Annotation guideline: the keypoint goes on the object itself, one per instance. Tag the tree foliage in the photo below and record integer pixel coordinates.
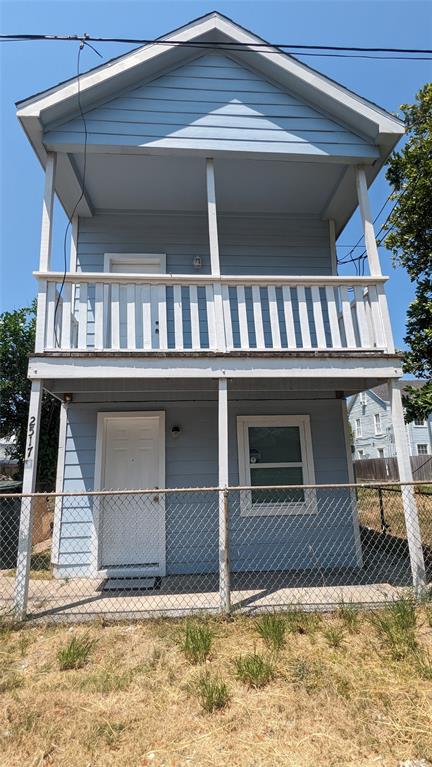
(17, 337)
(409, 238)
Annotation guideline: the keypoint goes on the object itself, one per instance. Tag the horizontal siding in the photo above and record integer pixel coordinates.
(248, 244)
(213, 103)
(191, 461)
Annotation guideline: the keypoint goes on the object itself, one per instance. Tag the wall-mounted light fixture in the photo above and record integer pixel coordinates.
(197, 262)
(175, 431)
(67, 398)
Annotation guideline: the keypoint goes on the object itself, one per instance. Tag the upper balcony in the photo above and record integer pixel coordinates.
(126, 313)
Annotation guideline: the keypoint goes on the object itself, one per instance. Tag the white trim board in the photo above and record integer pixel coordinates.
(158, 260)
(95, 566)
(170, 366)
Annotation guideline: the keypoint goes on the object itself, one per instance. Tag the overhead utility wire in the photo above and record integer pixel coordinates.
(83, 183)
(345, 51)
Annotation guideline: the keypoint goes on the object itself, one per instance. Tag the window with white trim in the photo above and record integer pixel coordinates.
(419, 422)
(363, 398)
(360, 453)
(422, 449)
(377, 422)
(275, 452)
(358, 431)
(380, 451)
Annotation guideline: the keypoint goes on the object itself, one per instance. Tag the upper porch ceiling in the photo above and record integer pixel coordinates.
(130, 182)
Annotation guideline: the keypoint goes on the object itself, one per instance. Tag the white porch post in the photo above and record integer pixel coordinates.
(224, 568)
(29, 481)
(45, 248)
(214, 254)
(372, 252)
(407, 491)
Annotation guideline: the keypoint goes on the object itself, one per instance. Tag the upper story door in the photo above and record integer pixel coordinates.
(134, 263)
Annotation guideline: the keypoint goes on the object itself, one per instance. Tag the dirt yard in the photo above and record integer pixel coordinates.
(342, 690)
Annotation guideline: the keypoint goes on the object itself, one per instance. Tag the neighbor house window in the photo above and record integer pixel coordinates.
(419, 422)
(360, 453)
(358, 431)
(363, 398)
(377, 421)
(422, 449)
(380, 451)
(276, 452)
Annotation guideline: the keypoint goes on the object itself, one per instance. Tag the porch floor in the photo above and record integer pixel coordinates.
(178, 595)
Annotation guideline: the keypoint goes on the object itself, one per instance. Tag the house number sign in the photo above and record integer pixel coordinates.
(30, 434)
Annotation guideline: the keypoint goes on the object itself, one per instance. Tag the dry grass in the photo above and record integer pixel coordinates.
(135, 703)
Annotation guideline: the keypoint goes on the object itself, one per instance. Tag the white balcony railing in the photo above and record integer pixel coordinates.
(154, 313)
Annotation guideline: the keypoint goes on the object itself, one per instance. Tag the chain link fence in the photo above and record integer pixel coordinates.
(173, 552)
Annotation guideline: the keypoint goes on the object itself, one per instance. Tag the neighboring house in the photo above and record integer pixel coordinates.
(372, 429)
(201, 335)
(8, 466)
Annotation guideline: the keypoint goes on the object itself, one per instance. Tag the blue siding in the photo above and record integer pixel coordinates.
(249, 244)
(191, 461)
(213, 103)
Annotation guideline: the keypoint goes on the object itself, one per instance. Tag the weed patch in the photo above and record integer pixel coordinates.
(271, 629)
(254, 670)
(75, 654)
(197, 642)
(395, 627)
(213, 693)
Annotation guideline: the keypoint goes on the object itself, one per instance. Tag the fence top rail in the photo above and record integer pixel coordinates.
(230, 488)
(207, 279)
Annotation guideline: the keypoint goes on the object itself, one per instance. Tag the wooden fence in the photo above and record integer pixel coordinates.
(386, 469)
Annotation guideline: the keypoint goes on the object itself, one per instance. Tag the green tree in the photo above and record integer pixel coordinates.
(17, 337)
(409, 237)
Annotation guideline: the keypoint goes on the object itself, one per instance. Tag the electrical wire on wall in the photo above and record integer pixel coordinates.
(83, 42)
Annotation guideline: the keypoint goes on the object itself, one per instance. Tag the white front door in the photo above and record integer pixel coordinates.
(132, 527)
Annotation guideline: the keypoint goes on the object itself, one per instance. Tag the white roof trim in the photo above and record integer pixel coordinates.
(285, 65)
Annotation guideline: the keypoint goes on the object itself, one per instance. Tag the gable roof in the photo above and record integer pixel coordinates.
(145, 63)
(380, 392)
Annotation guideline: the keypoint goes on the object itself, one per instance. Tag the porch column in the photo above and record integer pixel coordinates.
(372, 253)
(214, 255)
(45, 248)
(407, 491)
(29, 482)
(224, 568)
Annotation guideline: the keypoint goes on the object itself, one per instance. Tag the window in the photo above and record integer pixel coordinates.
(377, 422)
(419, 422)
(363, 398)
(276, 451)
(360, 453)
(380, 451)
(422, 449)
(358, 431)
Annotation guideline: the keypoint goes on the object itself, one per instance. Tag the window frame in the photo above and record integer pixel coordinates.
(309, 504)
(358, 427)
(378, 429)
(381, 452)
(419, 424)
(363, 398)
(422, 444)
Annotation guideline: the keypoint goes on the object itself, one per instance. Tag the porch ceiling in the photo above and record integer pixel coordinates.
(147, 182)
(112, 391)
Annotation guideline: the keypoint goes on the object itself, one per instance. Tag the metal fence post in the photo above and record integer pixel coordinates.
(224, 563)
(407, 490)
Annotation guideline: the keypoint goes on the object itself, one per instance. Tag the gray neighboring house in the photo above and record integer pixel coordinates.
(371, 425)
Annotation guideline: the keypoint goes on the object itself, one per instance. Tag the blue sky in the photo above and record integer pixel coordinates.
(30, 67)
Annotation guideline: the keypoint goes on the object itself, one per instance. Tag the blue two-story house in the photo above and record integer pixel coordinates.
(201, 335)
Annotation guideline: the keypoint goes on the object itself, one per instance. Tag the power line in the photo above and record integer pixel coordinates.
(344, 51)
